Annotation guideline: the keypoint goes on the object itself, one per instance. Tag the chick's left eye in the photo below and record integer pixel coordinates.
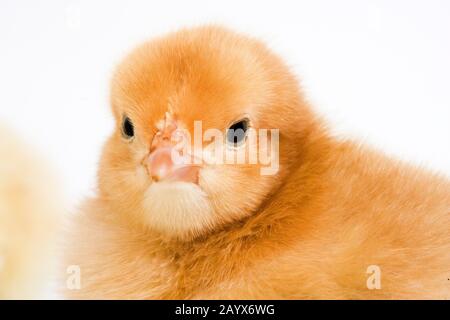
(236, 132)
(127, 128)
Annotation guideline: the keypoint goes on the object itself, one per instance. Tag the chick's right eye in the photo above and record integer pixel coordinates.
(127, 128)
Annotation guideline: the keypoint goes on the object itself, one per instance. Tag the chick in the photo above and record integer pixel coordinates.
(330, 212)
(29, 209)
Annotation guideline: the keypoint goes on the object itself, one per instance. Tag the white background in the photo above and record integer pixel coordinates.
(377, 70)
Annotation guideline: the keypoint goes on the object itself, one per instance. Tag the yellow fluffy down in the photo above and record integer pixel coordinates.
(184, 214)
(28, 218)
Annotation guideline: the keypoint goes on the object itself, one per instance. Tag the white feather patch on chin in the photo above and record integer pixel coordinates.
(177, 209)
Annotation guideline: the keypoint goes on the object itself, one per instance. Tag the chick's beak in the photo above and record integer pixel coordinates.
(162, 163)
(160, 166)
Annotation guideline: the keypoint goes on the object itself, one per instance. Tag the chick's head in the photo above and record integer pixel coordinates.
(172, 163)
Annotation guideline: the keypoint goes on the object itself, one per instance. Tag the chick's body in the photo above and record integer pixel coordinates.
(313, 229)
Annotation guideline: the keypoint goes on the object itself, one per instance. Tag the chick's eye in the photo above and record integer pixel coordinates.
(237, 131)
(127, 128)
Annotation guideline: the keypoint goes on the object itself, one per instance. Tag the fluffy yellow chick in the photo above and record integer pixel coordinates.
(331, 220)
(30, 205)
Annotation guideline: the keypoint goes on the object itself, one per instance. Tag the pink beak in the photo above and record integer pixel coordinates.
(160, 163)
(161, 167)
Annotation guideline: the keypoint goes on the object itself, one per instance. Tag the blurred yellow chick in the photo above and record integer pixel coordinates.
(29, 208)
